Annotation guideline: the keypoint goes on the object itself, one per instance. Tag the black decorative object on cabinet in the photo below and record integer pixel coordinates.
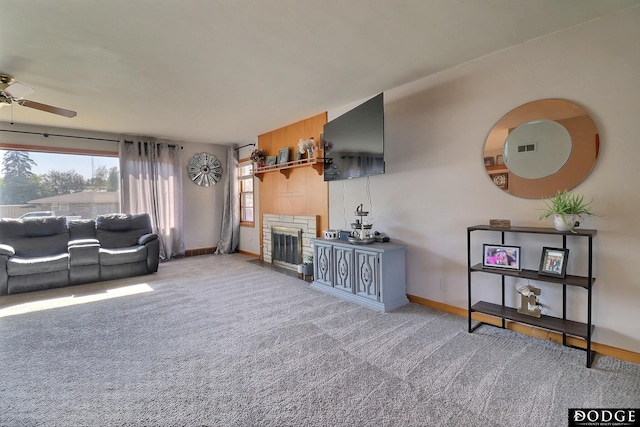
(561, 325)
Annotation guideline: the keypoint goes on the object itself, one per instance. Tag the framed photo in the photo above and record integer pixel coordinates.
(297, 156)
(283, 155)
(272, 160)
(553, 262)
(501, 256)
(499, 159)
(488, 161)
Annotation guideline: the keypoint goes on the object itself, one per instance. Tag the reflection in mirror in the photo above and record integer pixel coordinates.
(541, 147)
(537, 149)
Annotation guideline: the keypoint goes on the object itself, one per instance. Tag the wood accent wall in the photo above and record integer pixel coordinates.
(305, 192)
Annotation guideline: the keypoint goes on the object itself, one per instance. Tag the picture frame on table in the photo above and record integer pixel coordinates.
(501, 256)
(283, 155)
(272, 160)
(553, 262)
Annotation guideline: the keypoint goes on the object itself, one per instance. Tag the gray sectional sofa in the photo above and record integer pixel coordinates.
(48, 252)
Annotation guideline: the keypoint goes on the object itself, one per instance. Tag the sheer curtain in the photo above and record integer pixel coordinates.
(151, 182)
(230, 231)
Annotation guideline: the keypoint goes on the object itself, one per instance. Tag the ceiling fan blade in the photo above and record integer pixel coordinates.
(47, 108)
(18, 90)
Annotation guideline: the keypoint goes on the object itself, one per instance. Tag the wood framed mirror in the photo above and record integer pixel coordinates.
(540, 148)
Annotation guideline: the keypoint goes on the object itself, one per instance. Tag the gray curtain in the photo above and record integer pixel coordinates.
(230, 231)
(151, 182)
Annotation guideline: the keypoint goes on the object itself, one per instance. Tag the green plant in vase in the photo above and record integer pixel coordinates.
(308, 265)
(566, 208)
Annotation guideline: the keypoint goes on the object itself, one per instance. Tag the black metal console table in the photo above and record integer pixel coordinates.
(561, 325)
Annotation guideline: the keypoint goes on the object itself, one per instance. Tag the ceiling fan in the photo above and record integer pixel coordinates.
(12, 91)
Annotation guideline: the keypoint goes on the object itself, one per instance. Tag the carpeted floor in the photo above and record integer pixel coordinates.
(219, 341)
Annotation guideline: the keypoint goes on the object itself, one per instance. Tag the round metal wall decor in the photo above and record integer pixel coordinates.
(204, 169)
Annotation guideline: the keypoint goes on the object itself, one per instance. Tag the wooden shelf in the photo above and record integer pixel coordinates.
(569, 327)
(535, 230)
(285, 168)
(581, 281)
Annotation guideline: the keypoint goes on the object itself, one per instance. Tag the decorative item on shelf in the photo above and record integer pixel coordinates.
(272, 160)
(501, 256)
(283, 155)
(488, 161)
(529, 304)
(500, 223)
(567, 209)
(361, 233)
(307, 146)
(553, 262)
(258, 158)
(331, 234)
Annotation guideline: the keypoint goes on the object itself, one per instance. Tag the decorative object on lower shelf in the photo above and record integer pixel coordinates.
(566, 208)
(529, 301)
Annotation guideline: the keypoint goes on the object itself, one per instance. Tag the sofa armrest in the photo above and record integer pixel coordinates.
(7, 250)
(146, 238)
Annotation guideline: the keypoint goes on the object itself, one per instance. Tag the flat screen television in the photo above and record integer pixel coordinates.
(354, 142)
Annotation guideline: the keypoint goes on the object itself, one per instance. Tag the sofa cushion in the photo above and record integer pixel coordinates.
(35, 237)
(121, 230)
(116, 256)
(19, 266)
(82, 229)
(45, 226)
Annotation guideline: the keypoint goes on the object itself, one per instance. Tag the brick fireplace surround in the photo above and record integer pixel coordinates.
(307, 223)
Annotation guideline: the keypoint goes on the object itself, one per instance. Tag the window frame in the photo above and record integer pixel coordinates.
(243, 163)
(62, 150)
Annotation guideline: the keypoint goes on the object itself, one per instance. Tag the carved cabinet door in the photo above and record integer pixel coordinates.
(367, 276)
(323, 264)
(343, 278)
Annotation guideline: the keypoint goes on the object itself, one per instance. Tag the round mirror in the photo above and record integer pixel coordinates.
(540, 148)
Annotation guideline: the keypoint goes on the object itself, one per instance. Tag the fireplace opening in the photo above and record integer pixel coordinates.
(286, 247)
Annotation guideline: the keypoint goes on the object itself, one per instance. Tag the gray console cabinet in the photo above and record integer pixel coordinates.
(370, 275)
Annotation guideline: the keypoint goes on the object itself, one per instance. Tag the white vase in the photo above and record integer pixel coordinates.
(562, 225)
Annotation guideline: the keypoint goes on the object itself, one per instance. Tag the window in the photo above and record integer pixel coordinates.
(82, 184)
(245, 179)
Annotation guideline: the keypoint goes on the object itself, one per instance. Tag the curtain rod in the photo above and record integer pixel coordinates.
(46, 135)
(253, 144)
(144, 142)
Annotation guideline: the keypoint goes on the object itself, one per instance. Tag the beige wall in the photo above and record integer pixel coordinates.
(435, 184)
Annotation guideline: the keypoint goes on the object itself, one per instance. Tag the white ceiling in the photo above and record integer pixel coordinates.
(225, 71)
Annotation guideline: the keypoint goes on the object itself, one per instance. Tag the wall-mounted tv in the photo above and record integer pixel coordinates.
(354, 142)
